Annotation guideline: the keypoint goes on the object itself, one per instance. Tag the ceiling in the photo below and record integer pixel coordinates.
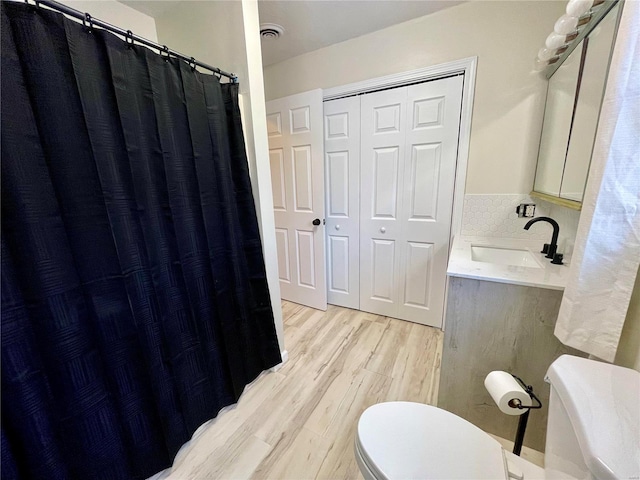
(313, 24)
(310, 25)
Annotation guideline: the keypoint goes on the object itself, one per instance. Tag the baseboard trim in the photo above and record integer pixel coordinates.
(285, 356)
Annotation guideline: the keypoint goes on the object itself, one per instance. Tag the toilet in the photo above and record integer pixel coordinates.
(593, 432)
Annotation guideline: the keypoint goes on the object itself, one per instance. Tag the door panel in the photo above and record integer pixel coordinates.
(408, 160)
(276, 160)
(338, 188)
(338, 253)
(300, 119)
(302, 178)
(274, 124)
(382, 168)
(382, 278)
(342, 173)
(304, 252)
(387, 118)
(425, 171)
(282, 244)
(295, 130)
(428, 112)
(417, 274)
(385, 182)
(434, 117)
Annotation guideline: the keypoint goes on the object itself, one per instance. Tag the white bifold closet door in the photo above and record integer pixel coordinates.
(342, 197)
(294, 126)
(407, 158)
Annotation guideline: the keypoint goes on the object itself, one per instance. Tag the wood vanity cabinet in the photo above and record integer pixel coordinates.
(497, 326)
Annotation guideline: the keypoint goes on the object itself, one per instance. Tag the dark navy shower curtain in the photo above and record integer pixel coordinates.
(134, 294)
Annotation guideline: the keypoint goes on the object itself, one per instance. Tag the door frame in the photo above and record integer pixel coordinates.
(465, 66)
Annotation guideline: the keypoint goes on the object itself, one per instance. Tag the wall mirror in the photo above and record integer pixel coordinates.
(574, 97)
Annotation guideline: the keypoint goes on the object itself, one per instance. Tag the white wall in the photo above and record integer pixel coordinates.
(509, 97)
(255, 116)
(225, 34)
(210, 31)
(117, 14)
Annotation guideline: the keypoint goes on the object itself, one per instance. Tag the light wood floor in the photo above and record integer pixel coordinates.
(299, 422)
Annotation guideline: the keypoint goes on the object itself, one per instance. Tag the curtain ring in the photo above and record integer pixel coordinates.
(192, 63)
(165, 49)
(87, 20)
(129, 39)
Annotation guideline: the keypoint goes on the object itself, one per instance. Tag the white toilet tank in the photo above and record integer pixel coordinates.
(593, 429)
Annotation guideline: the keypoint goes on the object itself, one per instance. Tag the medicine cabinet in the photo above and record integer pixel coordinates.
(574, 98)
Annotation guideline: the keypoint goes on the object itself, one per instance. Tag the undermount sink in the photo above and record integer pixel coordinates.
(517, 257)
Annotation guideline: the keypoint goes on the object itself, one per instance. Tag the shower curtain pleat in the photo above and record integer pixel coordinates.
(9, 469)
(134, 296)
(251, 245)
(126, 260)
(43, 246)
(30, 425)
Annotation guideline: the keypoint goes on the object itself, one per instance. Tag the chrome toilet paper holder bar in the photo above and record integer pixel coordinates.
(524, 418)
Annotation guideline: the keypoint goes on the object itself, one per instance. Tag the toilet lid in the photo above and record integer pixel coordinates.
(405, 440)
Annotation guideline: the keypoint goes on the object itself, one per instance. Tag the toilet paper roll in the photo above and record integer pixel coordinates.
(503, 387)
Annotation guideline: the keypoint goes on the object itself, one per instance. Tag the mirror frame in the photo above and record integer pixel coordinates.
(602, 12)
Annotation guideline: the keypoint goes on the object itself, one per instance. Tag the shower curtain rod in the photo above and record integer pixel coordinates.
(130, 36)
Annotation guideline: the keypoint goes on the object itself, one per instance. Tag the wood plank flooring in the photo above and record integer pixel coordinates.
(299, 422)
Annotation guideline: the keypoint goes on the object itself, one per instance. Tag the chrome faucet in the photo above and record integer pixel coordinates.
(549, 248)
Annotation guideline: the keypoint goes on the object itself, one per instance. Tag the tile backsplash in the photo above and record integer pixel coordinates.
(495, 216)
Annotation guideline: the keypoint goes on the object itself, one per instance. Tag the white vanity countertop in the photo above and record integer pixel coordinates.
(553, 277)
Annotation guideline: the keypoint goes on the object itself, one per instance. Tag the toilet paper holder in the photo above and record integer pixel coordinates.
(522, 423)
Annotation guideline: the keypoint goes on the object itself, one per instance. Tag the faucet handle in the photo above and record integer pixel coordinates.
(557, 259)
(545, 248)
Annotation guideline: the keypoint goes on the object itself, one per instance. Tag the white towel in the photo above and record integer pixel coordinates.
(606, 257)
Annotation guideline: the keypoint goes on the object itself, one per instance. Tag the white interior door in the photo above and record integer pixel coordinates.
(408, 163)
(381, 181)
(342, 174)
(295, 128)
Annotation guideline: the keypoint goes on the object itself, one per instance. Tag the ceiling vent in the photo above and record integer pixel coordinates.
(271, 30)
